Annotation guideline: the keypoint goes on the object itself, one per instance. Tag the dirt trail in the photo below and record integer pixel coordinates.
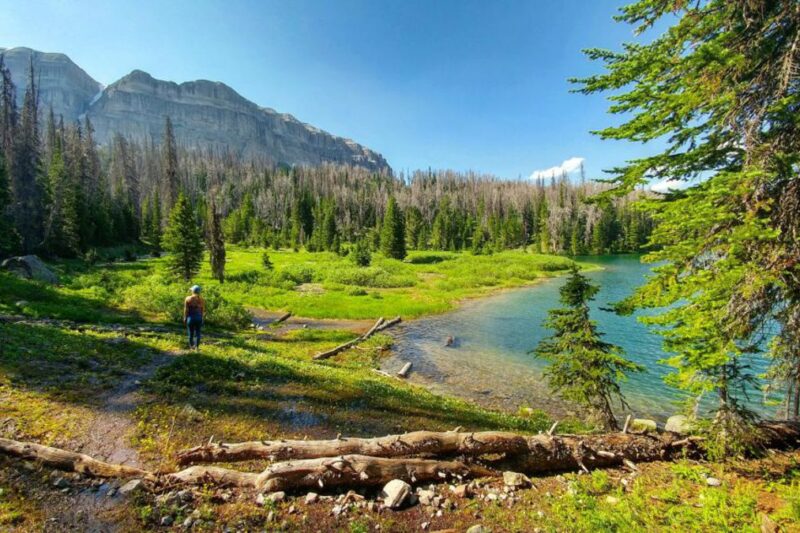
(108, 434)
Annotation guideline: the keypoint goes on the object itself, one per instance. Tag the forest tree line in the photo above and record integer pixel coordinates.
(62, 195)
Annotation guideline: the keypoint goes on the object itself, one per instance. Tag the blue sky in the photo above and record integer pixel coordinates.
(465, 85)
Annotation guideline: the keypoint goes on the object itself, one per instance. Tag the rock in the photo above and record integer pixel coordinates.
(713, 482)
(260, 500)
(477, 528)
(29, 267)
(425, 496)
(167, 521)
(643, 425)
(131, 487)
(311, 497)
(612, 500)
(679, 424)
(271, 516)
(60, 483)
(191, 413)
(187, 524)
(516, 480)
(461, 491)
(425, 525)
(491, 496)
(395, 493)
(185, 495)
(276, 497)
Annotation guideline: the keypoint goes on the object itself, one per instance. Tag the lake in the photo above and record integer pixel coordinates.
(490, 363)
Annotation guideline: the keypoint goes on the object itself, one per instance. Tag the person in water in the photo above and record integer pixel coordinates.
(194, 308)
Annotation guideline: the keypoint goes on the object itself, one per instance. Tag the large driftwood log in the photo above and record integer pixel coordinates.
(379, 325)
(415, 443)
(537, 453)
(326, 472)
(70, 461)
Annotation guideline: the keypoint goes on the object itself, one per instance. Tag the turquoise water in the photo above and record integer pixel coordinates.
(489, 361)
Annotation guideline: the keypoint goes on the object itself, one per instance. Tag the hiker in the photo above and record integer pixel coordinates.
(194, 307)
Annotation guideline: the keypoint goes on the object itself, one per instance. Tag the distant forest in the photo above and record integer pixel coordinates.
(62, 195)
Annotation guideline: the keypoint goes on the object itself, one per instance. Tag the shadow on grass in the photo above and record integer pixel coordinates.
(38, 300)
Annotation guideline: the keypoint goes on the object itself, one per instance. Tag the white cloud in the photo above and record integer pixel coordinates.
(570, 165)
(667, 185)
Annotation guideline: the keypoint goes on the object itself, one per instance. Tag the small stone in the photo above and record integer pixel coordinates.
(395, 493)
(195, 514)
(185, 495)
(112, 492)
(271, 516)
(167, 520)
(291, 509)
(425, 525)
(461, 491)
(425, 496)
(337, 510)
(516, 480)
(131, 487)
(60, 483)
(311, 497)
(491, 496)
(188, 522)
(276, 497)
(713, 482)
(612, 500)
(191, 413)
(477, 528)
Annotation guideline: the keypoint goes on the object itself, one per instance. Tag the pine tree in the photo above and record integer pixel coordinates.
(183, 239)
(216, 243)
(361, 254)
(393, 232)
(582, 368)
(61, 229)
(719, 86)
(9, 240)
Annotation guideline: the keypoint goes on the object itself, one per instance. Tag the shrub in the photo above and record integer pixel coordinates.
(297, 274)
(91, 257)
(361, 255)
(266, 262)
(250, 277)
(429, 258)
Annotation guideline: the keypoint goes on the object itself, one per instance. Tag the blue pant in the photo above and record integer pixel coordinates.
(193, 326)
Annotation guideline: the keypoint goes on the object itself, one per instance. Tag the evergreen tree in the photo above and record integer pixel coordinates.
(720, 87)
(266, 262)
(9, 240)
(582, 368)
(216, 243)
(61, 228)
(361, 254)
(393, 232)
(183, 240)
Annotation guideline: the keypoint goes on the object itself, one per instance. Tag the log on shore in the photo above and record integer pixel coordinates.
(379, 325)
(283, 318)
(70, 461)
(415, 443)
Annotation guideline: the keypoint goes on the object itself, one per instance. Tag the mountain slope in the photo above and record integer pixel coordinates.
(205, 114)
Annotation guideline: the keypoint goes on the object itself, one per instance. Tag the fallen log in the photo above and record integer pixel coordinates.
(403, 372)
(537, 453)
(379, 325)
(70, 461)
(389, 323)
(533, 454)
(284, 317)
(415, 443)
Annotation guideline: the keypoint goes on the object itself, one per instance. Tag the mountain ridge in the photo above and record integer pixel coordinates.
(205, 113)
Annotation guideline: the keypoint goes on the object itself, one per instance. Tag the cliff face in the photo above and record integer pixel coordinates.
(62, 83)
(204, 113)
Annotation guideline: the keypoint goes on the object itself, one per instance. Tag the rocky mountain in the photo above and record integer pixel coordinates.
(204, 113)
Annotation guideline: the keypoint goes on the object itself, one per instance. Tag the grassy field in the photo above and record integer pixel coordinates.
(314, 285)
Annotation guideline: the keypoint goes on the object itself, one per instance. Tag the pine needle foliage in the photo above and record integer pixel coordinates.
(183, 239)
(582, 367)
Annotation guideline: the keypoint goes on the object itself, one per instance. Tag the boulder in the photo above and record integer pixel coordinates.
(311, 497)
(29, 267)
(643, 425)
(679, 424)
(395, 493)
